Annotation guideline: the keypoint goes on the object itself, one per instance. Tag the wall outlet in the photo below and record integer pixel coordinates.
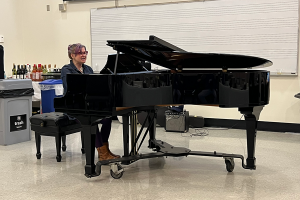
(1, 38)
(62, 7)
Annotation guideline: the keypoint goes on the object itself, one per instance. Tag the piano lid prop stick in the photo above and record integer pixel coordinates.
(116, 63)
(110, 71)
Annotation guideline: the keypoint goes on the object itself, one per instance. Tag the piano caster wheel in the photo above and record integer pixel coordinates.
(116, 170)
(38, 155)
(63, 148)
(58, 158)
(229, 164)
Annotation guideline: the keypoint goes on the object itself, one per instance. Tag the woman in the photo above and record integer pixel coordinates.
(77, 54)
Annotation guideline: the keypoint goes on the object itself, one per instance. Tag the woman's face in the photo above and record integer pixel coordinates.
(81, 56)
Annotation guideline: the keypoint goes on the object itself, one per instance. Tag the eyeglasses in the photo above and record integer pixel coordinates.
(83, 53)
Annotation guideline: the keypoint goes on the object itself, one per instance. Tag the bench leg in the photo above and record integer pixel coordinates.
(82, 142)
(64, 147)
(38, 145)
(58, 145)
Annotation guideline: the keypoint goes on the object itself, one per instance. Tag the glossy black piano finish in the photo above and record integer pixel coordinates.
(127, 86)
(225, 89)
(160, 52)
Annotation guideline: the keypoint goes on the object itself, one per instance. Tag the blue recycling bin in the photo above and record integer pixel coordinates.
(50, 89)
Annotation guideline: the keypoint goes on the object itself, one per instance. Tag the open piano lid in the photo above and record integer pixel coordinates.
(162, 53)
(126, 63)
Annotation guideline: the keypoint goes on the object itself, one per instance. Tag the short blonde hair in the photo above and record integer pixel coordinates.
(75, 49)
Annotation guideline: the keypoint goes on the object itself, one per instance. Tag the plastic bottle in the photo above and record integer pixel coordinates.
(49, 68)
(41, 77)
(33, 73)
(45, 69)
(28, 71)
(39, 72)
(44, 72)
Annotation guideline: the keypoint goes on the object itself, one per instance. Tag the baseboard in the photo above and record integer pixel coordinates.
(261, 125)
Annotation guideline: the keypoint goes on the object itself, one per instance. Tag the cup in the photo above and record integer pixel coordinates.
(279, 71)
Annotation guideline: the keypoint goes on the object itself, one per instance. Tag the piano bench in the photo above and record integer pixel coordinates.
(54, 124)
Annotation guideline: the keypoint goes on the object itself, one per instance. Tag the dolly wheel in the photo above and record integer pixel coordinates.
(229, 164)
(116, 171)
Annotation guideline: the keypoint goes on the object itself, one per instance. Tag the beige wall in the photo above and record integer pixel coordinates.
(10, 28)
(34, 35)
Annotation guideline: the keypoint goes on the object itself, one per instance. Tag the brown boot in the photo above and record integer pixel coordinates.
(103, 154)
(107, 145)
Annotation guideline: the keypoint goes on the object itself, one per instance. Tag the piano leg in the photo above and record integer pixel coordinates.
(152, 128)
(251, 125)
(133, 132)
(125, 120)
(82, 143)
(89, 133)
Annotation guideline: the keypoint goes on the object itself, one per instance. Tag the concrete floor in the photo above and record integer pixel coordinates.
(277, 175)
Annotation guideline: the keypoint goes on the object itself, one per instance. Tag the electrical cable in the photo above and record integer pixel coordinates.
(205, 131)
(198, 132)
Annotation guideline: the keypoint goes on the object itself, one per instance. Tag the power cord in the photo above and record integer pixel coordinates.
(198, 132)
(205, 131)
(237, 122)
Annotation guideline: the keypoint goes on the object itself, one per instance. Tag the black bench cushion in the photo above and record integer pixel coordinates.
(54, 122)
(53, 119)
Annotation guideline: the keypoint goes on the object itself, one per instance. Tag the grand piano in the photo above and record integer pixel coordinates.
(127, 85)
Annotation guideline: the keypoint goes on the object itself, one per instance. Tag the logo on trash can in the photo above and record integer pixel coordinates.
(18, 123)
